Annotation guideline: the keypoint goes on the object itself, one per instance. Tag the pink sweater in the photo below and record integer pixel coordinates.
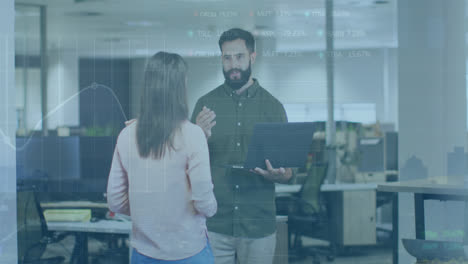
(168, 199)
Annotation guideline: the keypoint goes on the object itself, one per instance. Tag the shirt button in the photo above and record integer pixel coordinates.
(236, 208)
(240, 104)
(237, 186)
(238, 123)
(238, 144)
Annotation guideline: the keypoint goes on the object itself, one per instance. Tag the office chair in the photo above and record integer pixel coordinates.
(308, 216)
(33, 235)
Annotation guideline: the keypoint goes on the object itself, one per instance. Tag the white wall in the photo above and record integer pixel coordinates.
(299, 78)
(62, 89)
(8, 245)
(33, 96)
(302, 78)
(292, 77)
(432, 105)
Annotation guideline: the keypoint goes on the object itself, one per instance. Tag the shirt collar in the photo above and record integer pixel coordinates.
(251, 91)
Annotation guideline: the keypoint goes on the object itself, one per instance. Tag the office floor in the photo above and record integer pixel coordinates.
(368, 255)
(352, 255)
(96, 251)
(374, 257)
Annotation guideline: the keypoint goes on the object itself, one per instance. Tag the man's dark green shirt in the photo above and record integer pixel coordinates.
(246, 201)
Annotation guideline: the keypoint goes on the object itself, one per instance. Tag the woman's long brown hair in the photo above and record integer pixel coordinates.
(163, 104)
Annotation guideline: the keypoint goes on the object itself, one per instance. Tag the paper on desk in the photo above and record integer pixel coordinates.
(67, 215)
(370, 141)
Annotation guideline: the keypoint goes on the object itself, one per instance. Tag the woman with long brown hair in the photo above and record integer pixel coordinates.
(160, 174)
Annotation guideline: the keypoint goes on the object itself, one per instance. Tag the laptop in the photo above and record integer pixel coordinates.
(283, 144)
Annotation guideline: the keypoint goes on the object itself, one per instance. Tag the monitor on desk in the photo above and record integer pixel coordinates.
(371, 155)
(391, 151)
(96, 158)
(55, 158)
(68, 168)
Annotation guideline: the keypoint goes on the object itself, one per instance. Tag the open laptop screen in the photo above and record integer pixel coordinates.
(283, 144)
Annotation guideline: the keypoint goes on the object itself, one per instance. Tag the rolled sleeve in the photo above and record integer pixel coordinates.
(196, 110)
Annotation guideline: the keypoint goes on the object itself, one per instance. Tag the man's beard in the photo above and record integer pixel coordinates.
(237, 83)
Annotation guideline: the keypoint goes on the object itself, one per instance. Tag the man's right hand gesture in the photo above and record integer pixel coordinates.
(205, 120)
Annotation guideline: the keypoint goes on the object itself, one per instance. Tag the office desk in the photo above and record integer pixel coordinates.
(74, 204)
(102, 226)
(352, 210)
(348, 187)
(82, 229)
(288, 189)
(429, 189)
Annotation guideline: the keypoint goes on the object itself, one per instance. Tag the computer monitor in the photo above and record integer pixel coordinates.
(54, 158)
(96, 158)
(71, 168)
(371, 155)
(391, 151)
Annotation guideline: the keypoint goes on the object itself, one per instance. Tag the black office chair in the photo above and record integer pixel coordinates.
(308, 216)
(33, 235)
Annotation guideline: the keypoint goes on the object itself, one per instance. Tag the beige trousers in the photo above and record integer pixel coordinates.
(238, 250)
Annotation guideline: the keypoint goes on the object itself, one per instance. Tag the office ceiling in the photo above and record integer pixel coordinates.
(125, 28)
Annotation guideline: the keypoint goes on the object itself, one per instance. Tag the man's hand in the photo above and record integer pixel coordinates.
(205, 120)
(280, 175)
